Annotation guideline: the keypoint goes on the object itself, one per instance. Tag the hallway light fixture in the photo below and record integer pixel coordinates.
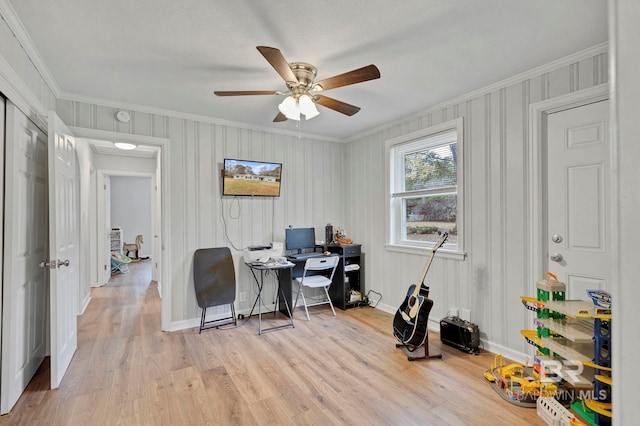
(293, 105)
(125, 145)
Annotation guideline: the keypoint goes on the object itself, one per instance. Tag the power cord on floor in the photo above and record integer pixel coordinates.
(367, 302)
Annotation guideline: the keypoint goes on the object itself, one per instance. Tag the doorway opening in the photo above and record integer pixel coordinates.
(126, 213)
(129, 216)
(148, 160)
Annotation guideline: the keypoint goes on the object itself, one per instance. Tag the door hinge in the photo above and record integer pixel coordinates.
(105, 267)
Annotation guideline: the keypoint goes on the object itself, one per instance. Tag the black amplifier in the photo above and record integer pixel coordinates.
(460, 334)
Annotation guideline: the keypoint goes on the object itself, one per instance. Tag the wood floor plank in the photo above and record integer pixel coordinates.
(342, 369)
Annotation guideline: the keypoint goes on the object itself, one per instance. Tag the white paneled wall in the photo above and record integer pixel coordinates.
(311, 195)
(495, 272)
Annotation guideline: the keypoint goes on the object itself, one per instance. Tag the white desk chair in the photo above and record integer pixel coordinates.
(316, 280)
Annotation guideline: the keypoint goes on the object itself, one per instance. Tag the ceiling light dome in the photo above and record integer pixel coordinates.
(125, 145)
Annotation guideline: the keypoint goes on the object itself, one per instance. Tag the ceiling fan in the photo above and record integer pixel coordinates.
(302, 88)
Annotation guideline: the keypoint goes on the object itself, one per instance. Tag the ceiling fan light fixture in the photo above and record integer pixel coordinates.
(300, 80)
(124, 145)
(307, 107)
(289, 107)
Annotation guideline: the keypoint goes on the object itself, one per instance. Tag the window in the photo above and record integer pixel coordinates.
(425, 187)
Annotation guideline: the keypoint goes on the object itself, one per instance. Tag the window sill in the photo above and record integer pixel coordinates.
(443, 253)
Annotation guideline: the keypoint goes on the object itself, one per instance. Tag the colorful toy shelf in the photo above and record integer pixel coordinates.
(573, 331)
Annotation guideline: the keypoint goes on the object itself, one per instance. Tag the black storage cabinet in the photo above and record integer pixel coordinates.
(344, 282)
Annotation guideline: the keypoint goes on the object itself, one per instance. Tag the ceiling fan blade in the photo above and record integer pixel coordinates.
(247, 92)
(336, 105)
(370, 72)
(279, 63)
(280, 117)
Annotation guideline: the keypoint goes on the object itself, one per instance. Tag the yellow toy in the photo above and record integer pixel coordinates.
(521, 384)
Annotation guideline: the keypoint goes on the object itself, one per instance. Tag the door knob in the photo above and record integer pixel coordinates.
(556, 238)
(48, 264)
(556, 257)
(66, 262)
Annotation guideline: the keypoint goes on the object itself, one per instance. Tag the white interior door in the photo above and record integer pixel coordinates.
(25, 289)
(577, 181)
(63, 247)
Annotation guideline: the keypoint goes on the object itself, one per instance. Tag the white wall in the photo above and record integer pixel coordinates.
(131, 209)
(495, 272)
(624, 16)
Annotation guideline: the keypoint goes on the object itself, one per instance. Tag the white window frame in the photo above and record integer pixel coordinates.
(395, 148)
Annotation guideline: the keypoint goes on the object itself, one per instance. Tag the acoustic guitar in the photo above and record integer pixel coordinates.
(410, 321)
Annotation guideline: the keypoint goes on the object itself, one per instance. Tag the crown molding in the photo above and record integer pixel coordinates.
(15, 25)
(532, 73)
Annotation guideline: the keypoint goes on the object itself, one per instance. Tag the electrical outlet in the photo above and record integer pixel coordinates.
(242, 297)
(465, 314)
(453, 312)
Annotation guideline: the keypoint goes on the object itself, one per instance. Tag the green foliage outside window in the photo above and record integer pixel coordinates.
(431, 168)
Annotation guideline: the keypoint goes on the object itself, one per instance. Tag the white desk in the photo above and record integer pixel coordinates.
(262, 268)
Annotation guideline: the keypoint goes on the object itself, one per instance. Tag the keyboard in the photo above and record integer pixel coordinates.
(304, 256)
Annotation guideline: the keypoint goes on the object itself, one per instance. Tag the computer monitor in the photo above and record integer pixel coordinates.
(300, 238)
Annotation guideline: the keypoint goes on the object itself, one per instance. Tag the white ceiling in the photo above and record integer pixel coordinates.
(172, 55)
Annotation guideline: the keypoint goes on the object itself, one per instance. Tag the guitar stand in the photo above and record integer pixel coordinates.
(421, 352)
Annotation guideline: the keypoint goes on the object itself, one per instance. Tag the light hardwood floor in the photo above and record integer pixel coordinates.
(331, 370)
